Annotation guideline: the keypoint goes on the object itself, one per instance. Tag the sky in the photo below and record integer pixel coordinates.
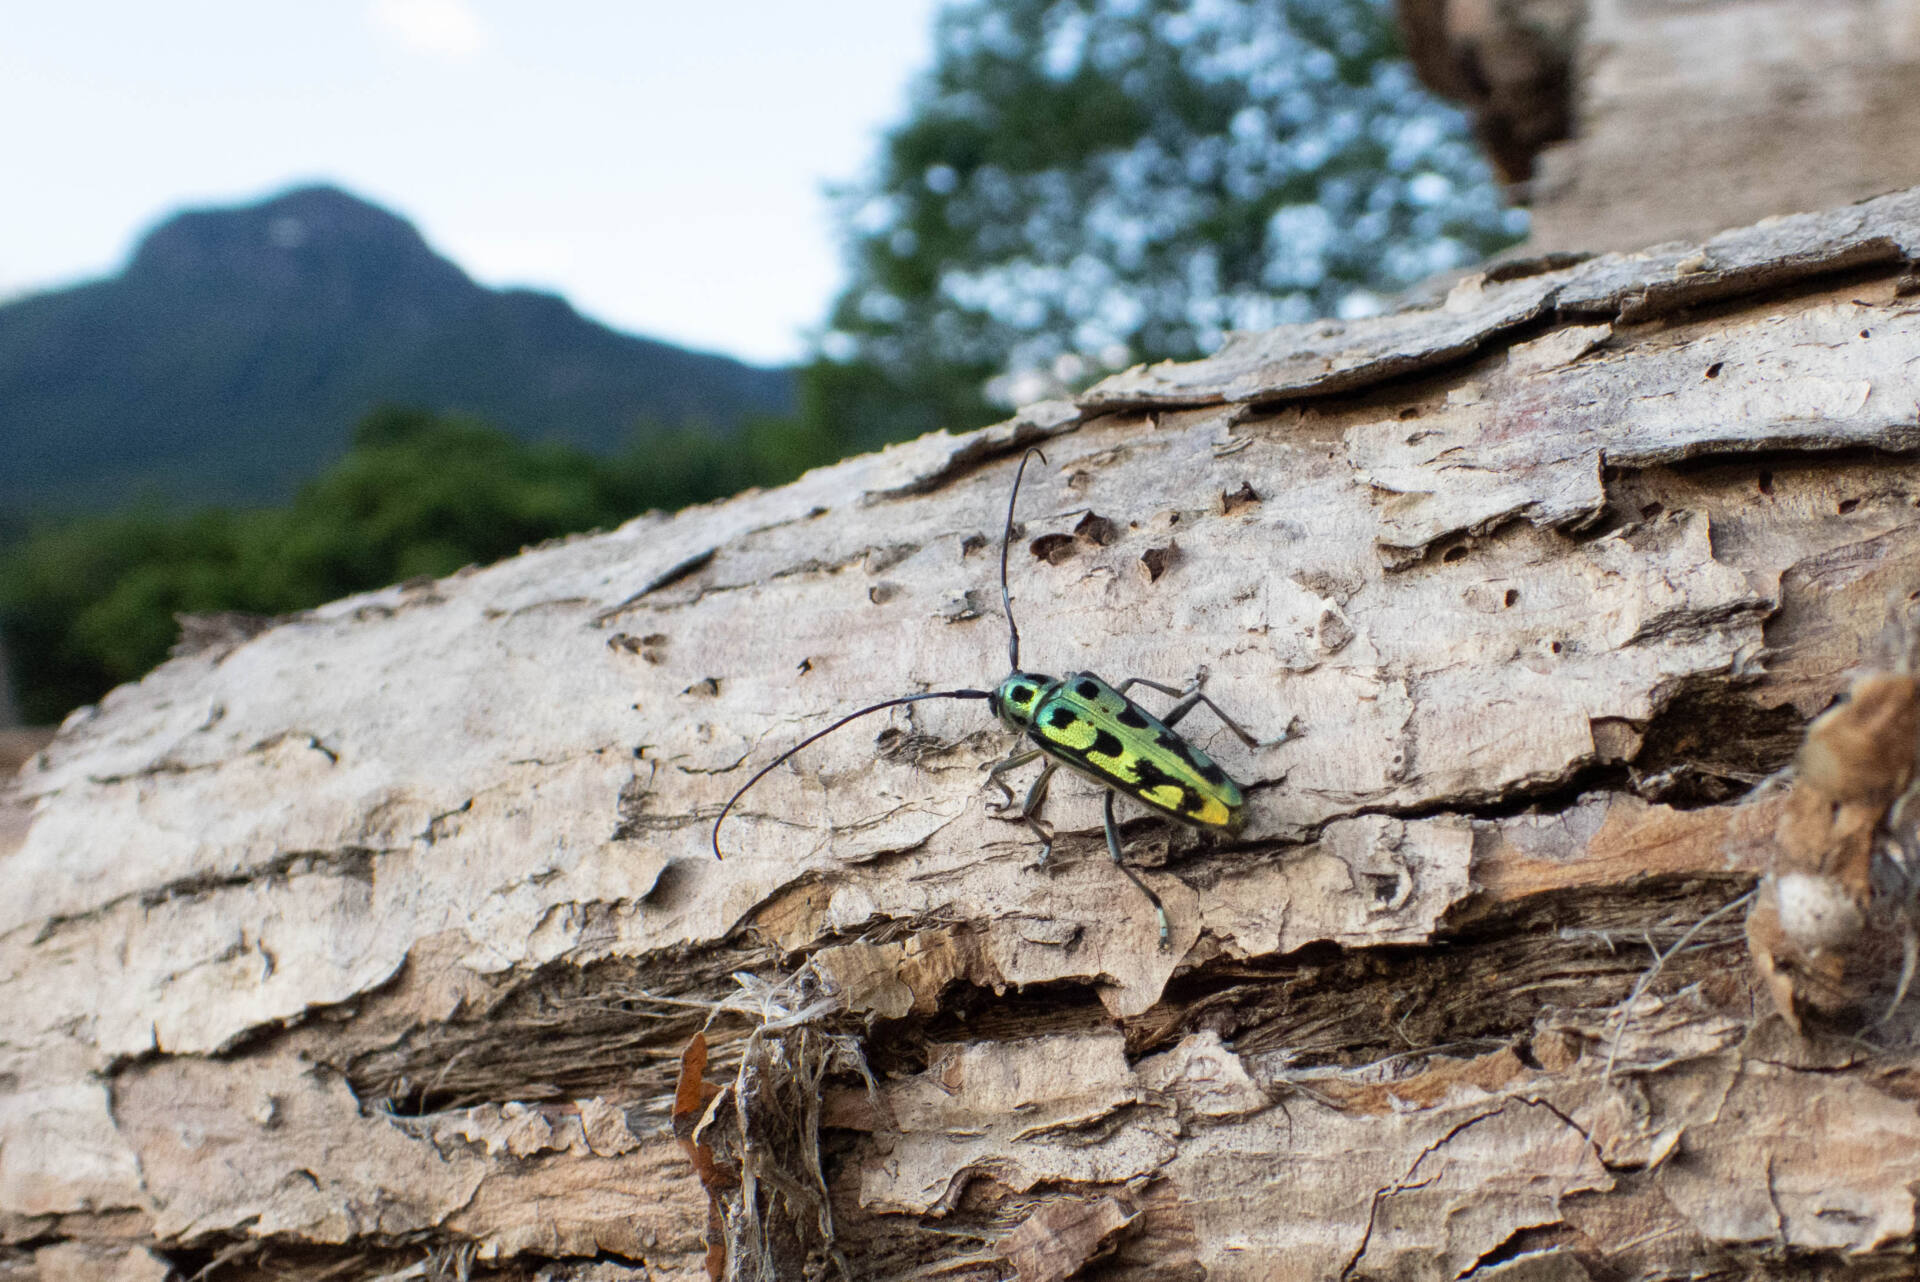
(663, 165)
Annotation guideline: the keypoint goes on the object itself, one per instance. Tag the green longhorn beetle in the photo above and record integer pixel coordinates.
(1093, 729)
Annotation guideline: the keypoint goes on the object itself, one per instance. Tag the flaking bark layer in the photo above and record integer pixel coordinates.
(372, 942)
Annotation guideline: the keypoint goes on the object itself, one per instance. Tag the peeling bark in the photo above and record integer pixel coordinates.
(371, 941)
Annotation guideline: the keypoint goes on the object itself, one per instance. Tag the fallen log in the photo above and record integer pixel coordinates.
(373, 943)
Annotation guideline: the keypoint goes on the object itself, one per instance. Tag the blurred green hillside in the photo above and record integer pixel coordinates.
(86, 604)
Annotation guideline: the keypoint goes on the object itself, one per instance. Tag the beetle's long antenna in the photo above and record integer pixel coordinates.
(821, 734)
(1006, 601)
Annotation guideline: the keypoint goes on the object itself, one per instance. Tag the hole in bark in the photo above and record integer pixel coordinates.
(1765, 482)
(1711, 744)
(1651, 510)
(1384, 888)
(1455, 553)
(1052, 548)
(1866, 333)
(1512, 596)
(966, 1008)
(1242, 497)
(1411, 411)
(1555, 647)
(1847, 505)
(672, 888)
(1096, 529)
(192, 1262)
(1713, 370)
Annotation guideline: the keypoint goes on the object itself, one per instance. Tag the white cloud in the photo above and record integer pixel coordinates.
(443, 28)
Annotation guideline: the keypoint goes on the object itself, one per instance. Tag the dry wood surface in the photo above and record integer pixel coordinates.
(373, 943)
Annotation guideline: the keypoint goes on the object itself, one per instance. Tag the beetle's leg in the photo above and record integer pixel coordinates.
(1036, 793)
(1030, 812)
(1192, 697)
(1130, 682)
(1113, 848)
(1013, 761)
(1195, 698)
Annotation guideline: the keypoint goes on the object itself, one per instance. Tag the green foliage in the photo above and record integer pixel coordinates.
(88, 603)
(91, 602)
(1083, 184)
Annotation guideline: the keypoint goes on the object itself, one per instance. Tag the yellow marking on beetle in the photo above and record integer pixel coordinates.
(1214, 813)
(1078, 734)
(1166, 796)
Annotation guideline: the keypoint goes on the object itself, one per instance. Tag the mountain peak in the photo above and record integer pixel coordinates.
(285, 238)
(232, 356)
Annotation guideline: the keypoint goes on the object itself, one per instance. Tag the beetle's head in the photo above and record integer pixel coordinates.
(1015, 698)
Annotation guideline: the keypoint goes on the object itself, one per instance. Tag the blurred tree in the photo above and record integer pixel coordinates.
(88, 603)
(420, 493)
(1082, 184)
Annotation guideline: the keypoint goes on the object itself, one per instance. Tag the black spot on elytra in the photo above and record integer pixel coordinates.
(1087, 690)
(1177, 746)
(1131, 718)
(1021, 694)
(1213, 774)
(1061, 718)
(1190, 801)
(1107, 744)
(1149, 775)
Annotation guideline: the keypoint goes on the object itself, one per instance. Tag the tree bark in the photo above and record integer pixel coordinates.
(1620, 123)
(376, 943)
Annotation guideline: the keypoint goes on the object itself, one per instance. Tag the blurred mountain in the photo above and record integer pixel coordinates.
(230, 359)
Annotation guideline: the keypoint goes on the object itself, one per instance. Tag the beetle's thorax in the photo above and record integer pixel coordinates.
(1017, 695)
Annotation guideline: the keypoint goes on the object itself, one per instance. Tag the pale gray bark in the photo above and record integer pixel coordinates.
(1622, 123)
(374, 940)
